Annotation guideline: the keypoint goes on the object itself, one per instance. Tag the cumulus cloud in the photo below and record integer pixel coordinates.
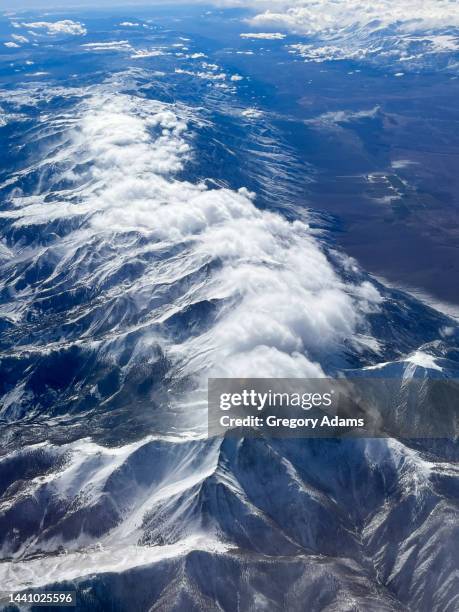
(53, 28)
(11, 45)
(352, 29)
(260, 252)
(315, 16)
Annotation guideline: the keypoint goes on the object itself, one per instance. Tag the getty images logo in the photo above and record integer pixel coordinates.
(259, 401)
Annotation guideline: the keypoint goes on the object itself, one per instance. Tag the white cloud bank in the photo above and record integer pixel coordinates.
(328, 16)
(53, 28)
(406, 30)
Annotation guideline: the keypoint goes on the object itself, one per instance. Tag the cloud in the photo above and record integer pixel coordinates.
(11, 45)
(209, 75)
(20, 39)
(53, 28)
(263, 35)
(123, 46)
(331, 16)
(336, 118)
(129, 24)
(142, 53)
(113, 45)
(441, 43)
(387, 31)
